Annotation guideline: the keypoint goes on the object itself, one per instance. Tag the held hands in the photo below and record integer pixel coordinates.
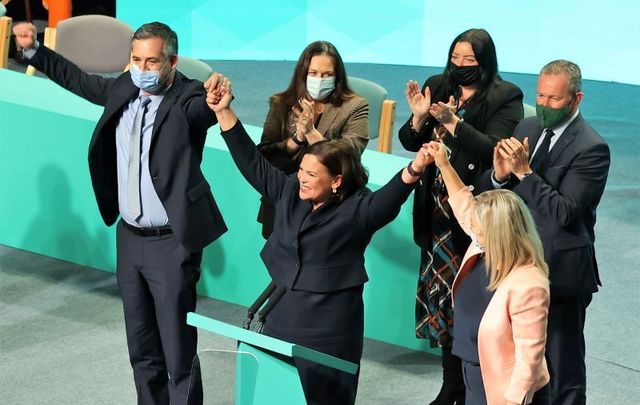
(511, 156)
(439, 153)
(219, 93)
(25, 35)
(412, 173)
(418, 102)
(422, 160)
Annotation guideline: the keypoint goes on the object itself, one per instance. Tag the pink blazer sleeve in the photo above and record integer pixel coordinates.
(462, 205)
(528, 308)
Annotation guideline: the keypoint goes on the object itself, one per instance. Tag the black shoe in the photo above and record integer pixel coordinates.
(450, 395)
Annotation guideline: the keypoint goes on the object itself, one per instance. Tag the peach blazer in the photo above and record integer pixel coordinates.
(513, 330)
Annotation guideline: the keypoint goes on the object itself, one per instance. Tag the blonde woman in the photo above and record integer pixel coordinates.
(500, 295)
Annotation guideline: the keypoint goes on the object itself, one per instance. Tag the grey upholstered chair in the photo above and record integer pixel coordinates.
(194, 68)
(96, 43)
(381, 111)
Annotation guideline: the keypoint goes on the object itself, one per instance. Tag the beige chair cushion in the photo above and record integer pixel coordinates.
(96, 43)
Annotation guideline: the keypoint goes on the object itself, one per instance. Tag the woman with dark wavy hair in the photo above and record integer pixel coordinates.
(325, 218)
(469, 108)
(318, 105)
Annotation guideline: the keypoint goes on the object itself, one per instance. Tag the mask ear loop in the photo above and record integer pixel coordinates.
(163, 82)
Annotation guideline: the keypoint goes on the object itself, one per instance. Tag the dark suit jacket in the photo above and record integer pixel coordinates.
(179, 133)
(563, 196)
(486, 121)
(321, 250)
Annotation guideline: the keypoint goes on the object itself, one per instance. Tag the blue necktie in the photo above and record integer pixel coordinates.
(133, 178)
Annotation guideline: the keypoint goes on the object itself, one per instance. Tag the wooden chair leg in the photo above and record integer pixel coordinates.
(5, 35)
(385, 134)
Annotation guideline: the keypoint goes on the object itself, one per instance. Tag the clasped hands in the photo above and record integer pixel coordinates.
(429, 153)
(510, 156)
(219, 93)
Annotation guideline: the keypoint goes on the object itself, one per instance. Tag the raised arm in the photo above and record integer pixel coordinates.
(382, 206)
(460, 197)
(263, 177)
(195, 106)
(93, 88)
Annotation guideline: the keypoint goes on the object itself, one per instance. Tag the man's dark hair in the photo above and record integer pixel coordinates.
(162, 31)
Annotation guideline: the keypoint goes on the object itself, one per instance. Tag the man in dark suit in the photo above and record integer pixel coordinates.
(558, 164)
(144, 160)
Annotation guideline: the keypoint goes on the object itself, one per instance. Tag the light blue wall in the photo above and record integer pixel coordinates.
(600, 36)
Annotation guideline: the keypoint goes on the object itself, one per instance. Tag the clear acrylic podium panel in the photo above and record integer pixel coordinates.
(215, 377)
(265, 373)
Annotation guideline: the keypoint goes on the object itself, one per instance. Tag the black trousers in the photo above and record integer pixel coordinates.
(157, 280)
(331, 323)
(565, 349)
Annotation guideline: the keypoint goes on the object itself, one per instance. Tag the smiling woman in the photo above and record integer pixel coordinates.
(324, 220)
(330, 170)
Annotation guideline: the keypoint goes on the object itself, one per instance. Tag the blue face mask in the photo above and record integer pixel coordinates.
(149, 80)
(320, 88)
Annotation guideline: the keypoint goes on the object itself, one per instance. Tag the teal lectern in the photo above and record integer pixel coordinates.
(274, 380)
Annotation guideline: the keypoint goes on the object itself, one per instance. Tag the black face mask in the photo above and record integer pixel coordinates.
(464, 75)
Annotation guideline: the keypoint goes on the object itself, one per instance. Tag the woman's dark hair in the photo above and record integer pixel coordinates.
(298, 86)
(340, 157)
(485, 52)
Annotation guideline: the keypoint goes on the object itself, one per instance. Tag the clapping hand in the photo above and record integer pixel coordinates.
(418, 102)
(305, 118)
(511, 156)
(444, 113)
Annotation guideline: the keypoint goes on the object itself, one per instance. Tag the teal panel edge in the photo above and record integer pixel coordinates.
(47, 167)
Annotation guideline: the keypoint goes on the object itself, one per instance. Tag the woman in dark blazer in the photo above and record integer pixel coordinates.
(317, 105)
(324, 220)
(469, 108)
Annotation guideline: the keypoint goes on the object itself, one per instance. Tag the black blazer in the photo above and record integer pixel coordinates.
(563, 196)
(321, 250)
(179, 133)
(486, 120)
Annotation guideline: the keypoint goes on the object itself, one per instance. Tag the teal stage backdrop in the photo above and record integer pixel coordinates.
(48, 207)
(528, 34)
